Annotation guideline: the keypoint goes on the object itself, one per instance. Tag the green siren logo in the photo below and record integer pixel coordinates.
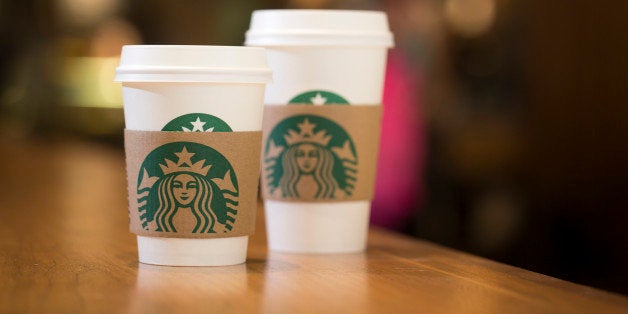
(183, 182)
(197, 122)
(319, 98)
(306, 151)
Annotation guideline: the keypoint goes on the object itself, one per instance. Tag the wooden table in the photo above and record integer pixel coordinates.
(65, 248)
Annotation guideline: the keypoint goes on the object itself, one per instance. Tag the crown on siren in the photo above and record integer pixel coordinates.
(306, 134)
(184, 164)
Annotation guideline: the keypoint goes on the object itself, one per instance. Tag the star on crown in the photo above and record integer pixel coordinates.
(318, 100)
(306, 134)
(184, 164)
(197, 126)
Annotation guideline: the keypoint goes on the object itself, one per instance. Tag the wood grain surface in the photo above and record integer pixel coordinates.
(65, 248)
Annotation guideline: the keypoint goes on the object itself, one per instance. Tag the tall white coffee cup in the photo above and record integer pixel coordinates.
(163, 83)
(321, 56)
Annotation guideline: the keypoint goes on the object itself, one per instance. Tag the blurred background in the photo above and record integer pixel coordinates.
(509, 117)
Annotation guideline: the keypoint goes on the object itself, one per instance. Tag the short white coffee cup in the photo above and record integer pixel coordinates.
(342, 54)
(163, 83)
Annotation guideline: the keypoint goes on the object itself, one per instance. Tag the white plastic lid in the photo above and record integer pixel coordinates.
(319, 28)
(219, 64)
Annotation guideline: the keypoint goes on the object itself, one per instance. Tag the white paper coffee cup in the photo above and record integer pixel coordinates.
(163, 83)
(339, 52)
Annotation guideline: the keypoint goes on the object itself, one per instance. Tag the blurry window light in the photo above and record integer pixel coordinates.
(88, 82)
(470, 18)
(309, 4)
(111, 35)
(86, 12)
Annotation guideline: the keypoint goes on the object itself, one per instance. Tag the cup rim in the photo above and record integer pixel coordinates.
(306, 27)
(193, 63)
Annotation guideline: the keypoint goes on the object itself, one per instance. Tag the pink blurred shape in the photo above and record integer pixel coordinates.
(399, 185)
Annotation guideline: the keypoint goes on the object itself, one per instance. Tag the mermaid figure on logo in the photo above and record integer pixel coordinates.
(308, 159)
(185, 191)
(306, 164)
(184, 194)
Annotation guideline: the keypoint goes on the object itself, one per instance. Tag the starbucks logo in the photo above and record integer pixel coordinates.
(197, 122)
(187, 187)
(319, 98)
(311, 157)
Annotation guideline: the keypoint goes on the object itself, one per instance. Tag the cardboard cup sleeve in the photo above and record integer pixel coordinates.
(320, 153)
(192, 184)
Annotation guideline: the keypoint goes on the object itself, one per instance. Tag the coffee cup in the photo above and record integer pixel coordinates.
(193, 119)
(332, 63)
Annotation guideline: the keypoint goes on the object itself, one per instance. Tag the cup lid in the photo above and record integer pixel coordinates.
(319, 28)
(171, 63)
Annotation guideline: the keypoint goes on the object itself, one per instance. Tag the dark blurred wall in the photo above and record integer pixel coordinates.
(528, 141)
(576, 157)
(196, 22)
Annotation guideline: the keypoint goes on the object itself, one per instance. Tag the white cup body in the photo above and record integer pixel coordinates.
(353, 71)
(149, 105)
